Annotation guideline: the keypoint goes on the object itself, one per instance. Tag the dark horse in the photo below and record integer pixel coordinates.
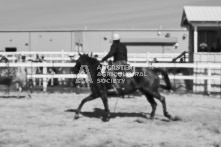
(147, 84)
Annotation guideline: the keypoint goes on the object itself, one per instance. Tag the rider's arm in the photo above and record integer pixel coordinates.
(110, 54)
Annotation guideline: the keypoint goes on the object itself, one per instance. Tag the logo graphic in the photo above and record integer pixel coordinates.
(111, 73)
(86, 70)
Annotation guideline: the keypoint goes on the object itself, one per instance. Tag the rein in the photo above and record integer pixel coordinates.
(103, 70)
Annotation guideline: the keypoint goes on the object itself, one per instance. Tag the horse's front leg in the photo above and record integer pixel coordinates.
(106, 117)
(89, 98)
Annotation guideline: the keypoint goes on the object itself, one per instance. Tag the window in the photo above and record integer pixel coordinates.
(209, 40)
(10, 49)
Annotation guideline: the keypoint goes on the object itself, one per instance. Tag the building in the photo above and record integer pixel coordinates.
(137, 41)
(204, 27)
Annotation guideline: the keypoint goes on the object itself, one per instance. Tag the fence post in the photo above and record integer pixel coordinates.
(147, 57)
(62, 56)
(44, 79)
(209, 80)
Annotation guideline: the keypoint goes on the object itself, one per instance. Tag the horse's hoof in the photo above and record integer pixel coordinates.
(106, 119)
(76, 116)
(139, 121)
(176, 118)
(151, 117)
(166, 114)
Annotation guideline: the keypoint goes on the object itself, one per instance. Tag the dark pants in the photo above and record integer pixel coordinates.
(113, 73)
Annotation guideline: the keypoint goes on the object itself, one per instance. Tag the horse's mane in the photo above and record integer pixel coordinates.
(92, 61)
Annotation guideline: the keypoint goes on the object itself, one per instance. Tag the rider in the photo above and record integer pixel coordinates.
(119, 52)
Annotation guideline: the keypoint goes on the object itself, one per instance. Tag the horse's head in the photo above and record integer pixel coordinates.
(84, 60)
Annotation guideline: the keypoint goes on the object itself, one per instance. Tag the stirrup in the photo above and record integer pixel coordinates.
(111, 90)
(114, 90)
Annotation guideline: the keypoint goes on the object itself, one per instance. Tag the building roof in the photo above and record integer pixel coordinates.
(90, 30)
(201, 14)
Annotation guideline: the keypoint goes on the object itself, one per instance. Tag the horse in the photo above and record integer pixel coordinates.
(147, 84)
(15, 75)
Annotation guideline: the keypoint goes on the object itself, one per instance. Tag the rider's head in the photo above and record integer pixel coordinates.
(116, 37)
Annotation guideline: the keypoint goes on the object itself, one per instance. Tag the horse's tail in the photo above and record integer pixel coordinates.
(165, 77)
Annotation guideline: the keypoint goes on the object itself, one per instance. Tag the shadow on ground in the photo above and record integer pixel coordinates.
(98, 113)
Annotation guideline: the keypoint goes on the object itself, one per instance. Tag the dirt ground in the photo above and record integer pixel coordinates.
(46, 120)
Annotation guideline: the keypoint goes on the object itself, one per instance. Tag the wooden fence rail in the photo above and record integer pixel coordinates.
(64, 56)
(208, 66)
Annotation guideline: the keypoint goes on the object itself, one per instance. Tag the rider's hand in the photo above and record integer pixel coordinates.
(102, 60)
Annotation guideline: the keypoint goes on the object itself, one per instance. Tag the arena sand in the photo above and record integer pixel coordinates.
(46, 120)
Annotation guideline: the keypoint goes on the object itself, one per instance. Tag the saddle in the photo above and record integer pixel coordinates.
(122, 73)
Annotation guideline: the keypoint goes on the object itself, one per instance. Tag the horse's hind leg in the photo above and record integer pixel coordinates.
(163, 101)
(165, 112)
(89, 98)
(152, 103)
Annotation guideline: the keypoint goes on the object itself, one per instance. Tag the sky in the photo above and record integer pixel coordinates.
(95, 14)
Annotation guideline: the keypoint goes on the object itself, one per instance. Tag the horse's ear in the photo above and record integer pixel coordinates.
(79, 54)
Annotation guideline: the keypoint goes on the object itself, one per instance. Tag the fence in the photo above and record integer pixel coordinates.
(208, 77)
